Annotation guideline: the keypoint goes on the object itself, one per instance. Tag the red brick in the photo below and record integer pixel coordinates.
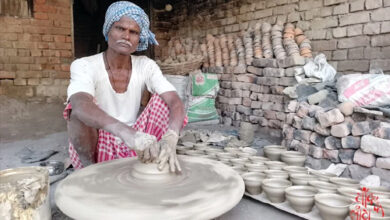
(59, 38)
(64, 24)
(28, 74)
(36, 22)
(45, 8)
(10, 52)
(5, 44)
(24, 44)
(42, 60)
(23, 67)
(9, 36)
(34, 29)
(36, 53)
(68, 39)
(7, 75)
(41, 16)
(4, 59)
(54, 60)
(11, 29)
(36, 67)
(20, 82)
(43, 45)
(10, 67)
(66, 67)
(66, 53)
(62, 46)
(23, 53)
(21, 60)
(47, 38)
(61, 75)
(33, 81)
(49, 53)
(37, 2)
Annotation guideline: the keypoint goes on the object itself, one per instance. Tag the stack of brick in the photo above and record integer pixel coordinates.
(255, 93)
(350, 135)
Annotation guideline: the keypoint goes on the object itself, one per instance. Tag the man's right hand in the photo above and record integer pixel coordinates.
(146, 147)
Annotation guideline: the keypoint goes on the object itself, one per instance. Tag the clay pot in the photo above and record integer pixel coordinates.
(249, 150)
(356, 210)
(345, 182)
(332, 206)
(301, 198)
(182, 149)
(293, 158)
(323, 187)
(298, 31)
(195, 152)
(188, 144)
(232, 150)
(256, 167)
(275, 165)
(253, 182)
(381, 192)
(225, 161)
(211, 157)
(244, 155)
(295, 169)
(238, 161)
(385, 203)
(256, 159)
(276, 174)
(213, 151)
(247, 129)
(225, 155)
(273, 152)
(302, 179)
(322, 175)
(349, 193)
(274, 189)
(289, 35)
(299, 39)
(239, 169)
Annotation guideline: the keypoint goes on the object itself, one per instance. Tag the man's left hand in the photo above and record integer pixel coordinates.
(168, 144)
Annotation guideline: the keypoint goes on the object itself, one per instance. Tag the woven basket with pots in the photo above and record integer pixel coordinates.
(182, 68)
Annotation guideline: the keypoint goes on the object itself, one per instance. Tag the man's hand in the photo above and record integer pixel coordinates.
(168, 144)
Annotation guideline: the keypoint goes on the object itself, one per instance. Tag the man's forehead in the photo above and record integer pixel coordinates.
(127, 22)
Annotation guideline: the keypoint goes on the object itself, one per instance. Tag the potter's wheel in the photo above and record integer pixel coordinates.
(127, 189)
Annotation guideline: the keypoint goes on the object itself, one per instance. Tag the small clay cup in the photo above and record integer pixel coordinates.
(301, 179)
(301, 198)
(274, 189)
(293, 158)
(276, 174)
(323, 187)
(275, 165)
(345, 182)
(253, 182)
(295, 169)
(332, 206)
(273, 152)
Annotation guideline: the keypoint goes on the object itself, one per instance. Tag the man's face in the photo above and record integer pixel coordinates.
(123, 36)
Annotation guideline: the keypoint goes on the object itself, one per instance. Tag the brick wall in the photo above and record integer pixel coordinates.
(36, 52)
(355, 34)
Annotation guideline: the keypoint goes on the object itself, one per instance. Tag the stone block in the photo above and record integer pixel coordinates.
(364, 159)
(254, 119)
(333, 2)
(290, 118)
(371, 28)
(384, 174)
(317, 97)
(314, 109)
(288, 132)
(350, 142)
(346, 155)
(287, 81)
(316, 152)
(374, 145)
(258, 112)
(380, 40)
(317, 164)
(321, 130)
(255, 70)
(382, 132)
(267, 105)
(351, 42)
(235, 101)
(324, 45)
(383, 162)
(340, 55)
(355, 18)
(303, 148)
(246, 102)
(244, 110)
(281, 116)
(332, 155)
(274, 124)
(302, 135)
(361, 128)
(330, 118)
(277, 107)
(265, 62)
(357, 5)
(303, 109)
(340, 130)
(292, 106)
(273, 72)
(226, 85)
(239, 69)
(340, 32)
(341, 9)
(297, 122)
(270, 115)
(332, 143)
(256, 104)
(383, 64)
(247, 78)
(346, 108)
(358, 172)
(381, 14)
(385, 27)
(354, 65)
(236, 93)
(317, 139)
(291, 61)
(308, 123)
(354, 30)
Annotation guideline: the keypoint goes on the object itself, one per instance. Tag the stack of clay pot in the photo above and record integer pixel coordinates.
(203, 49)
(247, 38)
(218, 52)
(240, 50)
(225, 50)
(266, 40)
(289, 41)
(210, 49)
(277, 43)
(232, 51)
(182, 50)
(258, 52)
(303, 42)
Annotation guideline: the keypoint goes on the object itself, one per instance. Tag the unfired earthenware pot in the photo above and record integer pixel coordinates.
(273, 152)
(385, 203)
(256, 167)
(345, 182)
(332, 206)
(255, 159)
(275, 165)
(274, 189)
(356, 210)
(249, 150)
(301, 198)
(323, 187)
(295, 169)
(301, 179)
(380, 191)
(239, 161)
(349, 193)
(253, 182)
(276, 174)
(322, 175)
(225, 155)
(293, 158)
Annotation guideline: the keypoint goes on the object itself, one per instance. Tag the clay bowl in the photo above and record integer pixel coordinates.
(225, 155)
(381, 192)
(324, 187)
(195, 152)
(332, 206)
(276, 174)
(301, 179)
(293, 158)
(253, 182)
(211, 157)
(274, 189)
(322, 175)
(385, 203)
(273, 152)
(249, 150)
(298, 31)
(238, 161)
(349, 193)
(356, 209)
(301, 198)
(345, 182)
(239, 169)
(244, 155)
(275, 165)
(255, 159)
(182, 149)
(188, 144)
(256, 167)
(232, 150)
(295, 169)
(225, 161)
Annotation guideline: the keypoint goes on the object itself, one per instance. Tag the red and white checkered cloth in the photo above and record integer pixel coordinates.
(153, 120)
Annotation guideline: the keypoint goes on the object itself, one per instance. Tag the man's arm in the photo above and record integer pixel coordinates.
(176, 109)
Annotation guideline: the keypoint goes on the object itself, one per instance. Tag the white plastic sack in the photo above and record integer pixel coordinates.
(182, 85)
(320, 69)
(364, 89)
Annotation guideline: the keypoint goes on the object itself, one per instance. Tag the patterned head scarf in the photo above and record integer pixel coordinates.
(133, 11)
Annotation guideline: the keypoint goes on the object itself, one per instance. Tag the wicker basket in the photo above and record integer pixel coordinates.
(182, 68)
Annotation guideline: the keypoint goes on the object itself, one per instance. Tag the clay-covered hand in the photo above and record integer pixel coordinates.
(146, 146)
(168, 144)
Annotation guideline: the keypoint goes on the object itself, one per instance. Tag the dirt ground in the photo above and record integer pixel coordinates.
(34, 127)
